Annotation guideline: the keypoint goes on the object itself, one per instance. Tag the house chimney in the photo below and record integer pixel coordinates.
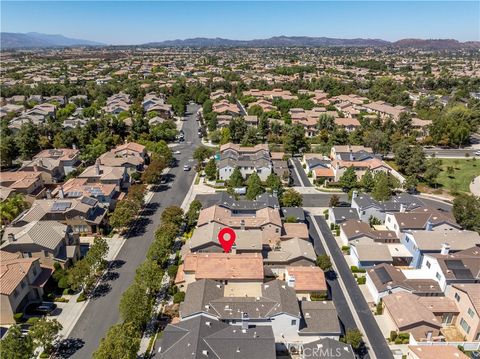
(429, 226)
(61, 194)
(11, 237)
(35, 167)
(242, 224)
(354, 194)
(275, 193)
(49, 194)
(291, 281)
(445, 249)
(402, 208)
(74, 146)
(97, 168)
(244, 321)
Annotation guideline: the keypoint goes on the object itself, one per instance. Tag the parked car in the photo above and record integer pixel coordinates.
(45, 308)
(176, 152)
(187, 168)
(477, 153)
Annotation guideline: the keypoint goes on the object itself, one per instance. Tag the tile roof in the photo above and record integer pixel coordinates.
(13, 271)
(307, 279)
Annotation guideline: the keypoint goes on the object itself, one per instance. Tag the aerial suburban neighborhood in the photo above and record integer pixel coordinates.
(286, 197)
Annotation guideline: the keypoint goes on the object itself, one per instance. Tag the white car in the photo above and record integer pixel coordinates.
(176, 152)
(477, 153)
(187, 168)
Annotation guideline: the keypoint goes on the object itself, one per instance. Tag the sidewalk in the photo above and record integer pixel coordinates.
(200, 188)
(71, 310)
(475, 186)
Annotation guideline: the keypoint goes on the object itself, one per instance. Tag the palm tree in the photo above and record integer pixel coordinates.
(12, 207)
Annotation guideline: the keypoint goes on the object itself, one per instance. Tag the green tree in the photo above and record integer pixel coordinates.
(294, 140)
(28, 141)
(324, 262)
(149, 275)
(123, 214)
(8, 150)
(97, 254)
(201, 154)
(367, 182)
(466, 210)
(191, 217)
(255, 110)
(409, 158)
(354, 338)
(153, 173)
(237, 128)
(12, 207)
(236, 179)
(159, 250)
(44, 332)
(274, 182)
(348, 180)
(251, 137)
(80, 277)
(121, 342)
(334, 201)
(254, 186)
(410, 183)
(16, 346)
(172, 214)
(381, 189)
(136, 305)
(432, 171)
(211, 169)
(291, 198)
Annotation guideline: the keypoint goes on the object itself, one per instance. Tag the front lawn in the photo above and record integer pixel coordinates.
(457, 174)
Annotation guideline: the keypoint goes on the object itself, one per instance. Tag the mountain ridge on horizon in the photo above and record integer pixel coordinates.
(11, 40)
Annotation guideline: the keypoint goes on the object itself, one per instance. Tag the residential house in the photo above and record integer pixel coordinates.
(367, 207)
(434, 352)
(132, 156)
(422, 317)
(453, 268)
(307, 281)
(27, 183)
(420, 243)
(240, 271)
(354, 230)
(420, 219)
(326, 348)
(203, 336)
(53, 164)
(339, 215)
(385, 110)
(22, 281)
(467, 298)
(248, 159)
(292, 252)
(106, 175)
(50, 241)
(83, 215)
(385, 279)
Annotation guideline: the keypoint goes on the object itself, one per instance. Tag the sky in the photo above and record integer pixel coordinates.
(137, 22)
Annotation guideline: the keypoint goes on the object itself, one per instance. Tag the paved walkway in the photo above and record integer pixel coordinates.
(475, 186)
(200, 188)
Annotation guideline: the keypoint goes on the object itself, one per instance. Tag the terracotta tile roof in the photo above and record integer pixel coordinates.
(323, 172)
(224, 266)
(307, 279)
(12, 272)
(292, 230)
(436, 352)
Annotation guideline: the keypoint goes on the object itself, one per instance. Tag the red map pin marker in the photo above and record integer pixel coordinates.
(227, 237)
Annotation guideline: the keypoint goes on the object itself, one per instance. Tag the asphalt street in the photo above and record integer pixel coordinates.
(371, 329)
(102, 312)
(451, 152)
(298, 174)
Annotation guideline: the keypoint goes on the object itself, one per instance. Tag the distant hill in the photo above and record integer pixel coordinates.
(299, 41)
(277, 41)
(437, 44)
(12, 40)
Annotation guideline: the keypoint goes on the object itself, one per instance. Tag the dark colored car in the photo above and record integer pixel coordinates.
(45, 308)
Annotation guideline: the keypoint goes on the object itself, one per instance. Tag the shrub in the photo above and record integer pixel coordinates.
(318, 297)
(337, 232)
(405, 341)
(67, 291)
(326, 216)
(179, 297)
(398, 341)
(18, 317)
(172, 271)
(82, 297)
(355, 269)
(346, 249)
(361, 280)
(332, 226)
(44, 355)
(379, 309)
(60, 299)
(404, 336)
(393, 335)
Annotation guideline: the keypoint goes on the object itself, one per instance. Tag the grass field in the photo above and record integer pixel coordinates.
(457, 174)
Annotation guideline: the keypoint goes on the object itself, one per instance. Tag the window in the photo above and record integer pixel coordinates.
(407, 239)
(457, 297)
(470, 312)
(428, 264)
(15, 293)
(34, 270)
(27, 254)
(477, 337)
(438, 276)
(22, 284)
(294, 322)
(465, 326)
(46, 254)
(389, 219)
